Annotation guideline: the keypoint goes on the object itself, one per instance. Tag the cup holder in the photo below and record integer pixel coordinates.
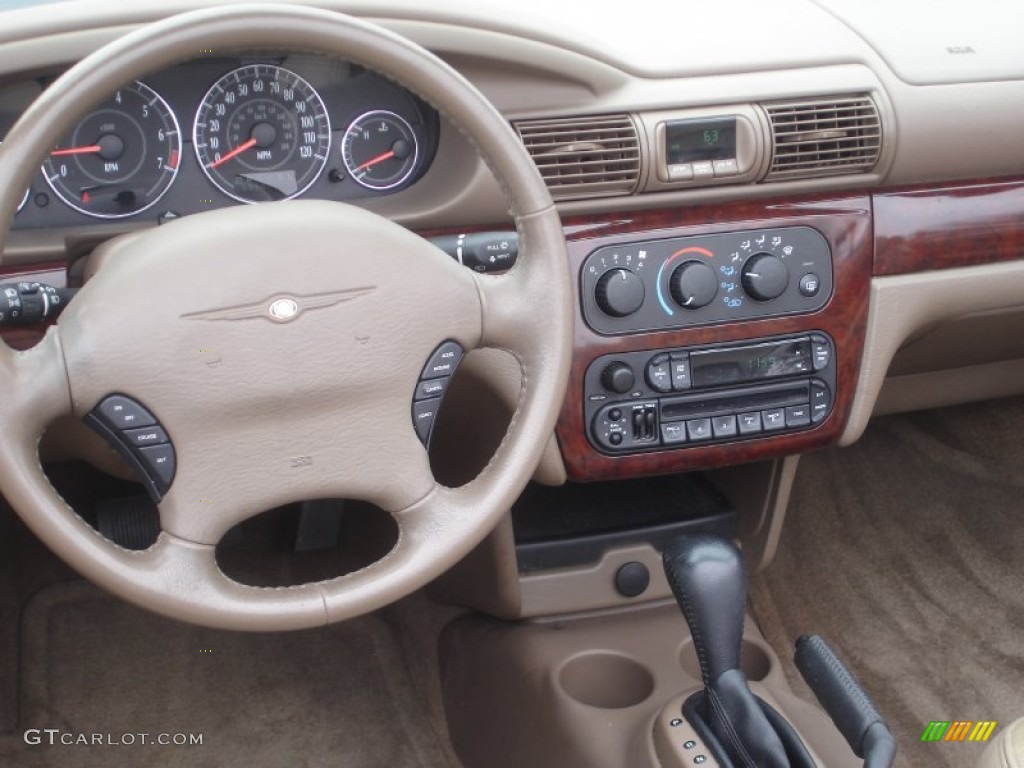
(754, 660)
(606, 680)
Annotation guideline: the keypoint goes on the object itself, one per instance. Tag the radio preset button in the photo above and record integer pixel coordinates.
(659, 373)
(749, 423)
(673, 433)
(699, 429)
(724, 426)
(773, 419)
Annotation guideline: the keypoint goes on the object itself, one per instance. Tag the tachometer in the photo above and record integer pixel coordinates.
(120, 158)
(262, 133)
(379, 150)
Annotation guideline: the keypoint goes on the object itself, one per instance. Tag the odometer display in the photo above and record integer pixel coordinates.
(262, 133)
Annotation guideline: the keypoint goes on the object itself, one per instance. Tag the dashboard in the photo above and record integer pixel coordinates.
(219, 131)
(892, 170)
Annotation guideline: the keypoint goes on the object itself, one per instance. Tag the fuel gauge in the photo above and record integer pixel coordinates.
(379, 150)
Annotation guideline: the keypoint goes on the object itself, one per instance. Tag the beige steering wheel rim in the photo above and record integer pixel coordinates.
(178, 576)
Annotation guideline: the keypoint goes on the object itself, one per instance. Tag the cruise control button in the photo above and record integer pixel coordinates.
(673, 432)
(750, 423)
(136, 438)
(122, 412)
(724, 426)
(423, 413)
(443, 361)
(798, 416)
(680, 372)
(659, 374)
(699, 429)
(773, 419)
(432, 388)
(159, 461)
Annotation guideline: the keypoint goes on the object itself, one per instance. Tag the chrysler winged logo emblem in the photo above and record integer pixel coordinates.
(282, 308)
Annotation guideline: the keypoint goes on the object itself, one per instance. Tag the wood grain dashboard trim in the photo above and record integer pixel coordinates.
(846, 224)
(959, 225)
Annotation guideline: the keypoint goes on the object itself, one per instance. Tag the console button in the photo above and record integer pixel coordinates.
(136, 438)
(750, 423)
(159, 463)
(773, 419)
(680, 372)
(821, 351)
(431, 388)
(798, 416)
(443, 361)
(724, 426)
(122, 412)
(821, 401)
(703, 169)
(673, 432)
(680, 172)
(699, 429)
(659, 374)
(727, 167)
(423, 414)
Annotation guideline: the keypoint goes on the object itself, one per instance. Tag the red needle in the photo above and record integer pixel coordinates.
(378, 159)
(233, 153)
(76, 151)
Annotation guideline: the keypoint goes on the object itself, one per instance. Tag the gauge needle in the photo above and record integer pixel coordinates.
(76, 151)
(378, 159)
(233, 153)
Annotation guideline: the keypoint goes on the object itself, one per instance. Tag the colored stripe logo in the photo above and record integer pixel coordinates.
(959, 730)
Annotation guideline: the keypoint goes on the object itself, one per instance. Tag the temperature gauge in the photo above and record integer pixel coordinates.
(379, 150)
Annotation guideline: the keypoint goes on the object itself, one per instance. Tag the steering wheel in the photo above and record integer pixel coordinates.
(313, 405)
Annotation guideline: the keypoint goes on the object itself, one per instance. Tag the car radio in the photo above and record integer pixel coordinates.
(662, 399)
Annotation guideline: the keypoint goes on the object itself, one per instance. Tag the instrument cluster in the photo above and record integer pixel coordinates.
(221, 131)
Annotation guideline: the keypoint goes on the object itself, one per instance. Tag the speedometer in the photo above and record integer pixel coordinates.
(262, 133)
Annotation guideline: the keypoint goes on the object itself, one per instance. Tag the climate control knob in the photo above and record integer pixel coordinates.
(765, 277)
(693, 285)
(618, 377)
(619, 292)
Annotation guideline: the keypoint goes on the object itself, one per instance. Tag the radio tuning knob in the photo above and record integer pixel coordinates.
(619, 292)
(618, 377)
(693, 285)
(765, 277)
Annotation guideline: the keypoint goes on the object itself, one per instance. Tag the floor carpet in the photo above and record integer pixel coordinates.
(906, 551)
(90, 664)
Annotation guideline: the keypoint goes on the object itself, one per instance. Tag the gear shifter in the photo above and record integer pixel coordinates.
(708, 578)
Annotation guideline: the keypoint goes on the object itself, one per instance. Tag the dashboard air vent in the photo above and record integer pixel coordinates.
(584, 156)
(823, 137)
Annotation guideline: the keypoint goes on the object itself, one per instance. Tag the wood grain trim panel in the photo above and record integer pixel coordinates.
(846, 224)
(950, 226)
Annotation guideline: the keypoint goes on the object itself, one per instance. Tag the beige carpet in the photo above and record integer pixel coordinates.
(906, 551)
(339, 696)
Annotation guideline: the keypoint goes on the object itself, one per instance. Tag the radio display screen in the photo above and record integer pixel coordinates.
(712, 138)
(715, 367)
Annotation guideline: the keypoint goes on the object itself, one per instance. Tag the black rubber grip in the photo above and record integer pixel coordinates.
(845, 700)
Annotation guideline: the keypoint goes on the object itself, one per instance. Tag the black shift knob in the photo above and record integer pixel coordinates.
(708, 578)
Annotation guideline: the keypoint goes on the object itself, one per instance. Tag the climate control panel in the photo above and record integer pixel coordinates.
(661, 399)
(686, 281)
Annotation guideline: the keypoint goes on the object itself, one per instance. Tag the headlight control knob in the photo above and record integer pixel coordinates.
(765, 277)
(619, 292)
(693, 285)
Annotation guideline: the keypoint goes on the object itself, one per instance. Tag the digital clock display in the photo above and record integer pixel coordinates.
(712, 138)
(716, 367)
